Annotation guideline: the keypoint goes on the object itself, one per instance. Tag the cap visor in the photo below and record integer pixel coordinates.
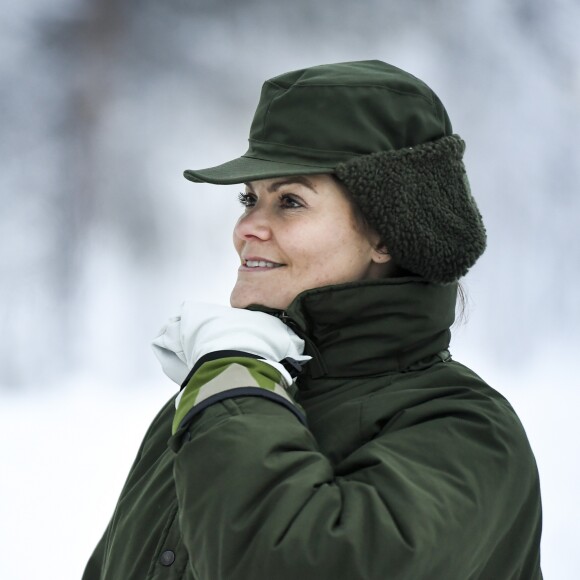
(246, 169)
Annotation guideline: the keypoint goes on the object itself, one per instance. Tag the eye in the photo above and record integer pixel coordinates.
(289, 201)
(247, 199)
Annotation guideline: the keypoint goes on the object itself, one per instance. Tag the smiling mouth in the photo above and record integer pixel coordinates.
(260, 264)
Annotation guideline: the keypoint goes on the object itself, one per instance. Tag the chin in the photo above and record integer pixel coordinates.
(241, 299)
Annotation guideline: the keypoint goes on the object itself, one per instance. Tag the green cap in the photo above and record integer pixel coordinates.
(308, 121)
(386, 135)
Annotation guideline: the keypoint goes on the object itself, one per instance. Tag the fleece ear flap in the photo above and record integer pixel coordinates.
(418, 200)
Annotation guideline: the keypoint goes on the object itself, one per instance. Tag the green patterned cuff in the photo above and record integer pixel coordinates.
(230, 377)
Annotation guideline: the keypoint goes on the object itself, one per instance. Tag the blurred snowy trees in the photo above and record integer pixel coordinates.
(103, 104)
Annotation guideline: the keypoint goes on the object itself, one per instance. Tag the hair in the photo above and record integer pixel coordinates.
(396, 271)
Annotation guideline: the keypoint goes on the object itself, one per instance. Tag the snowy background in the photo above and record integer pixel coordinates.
(103, 104)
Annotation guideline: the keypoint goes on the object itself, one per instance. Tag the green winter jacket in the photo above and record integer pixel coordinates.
(411, 466)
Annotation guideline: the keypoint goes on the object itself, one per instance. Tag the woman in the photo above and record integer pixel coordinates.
(322, 429)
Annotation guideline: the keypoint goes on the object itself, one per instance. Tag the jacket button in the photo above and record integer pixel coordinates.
(167, 558)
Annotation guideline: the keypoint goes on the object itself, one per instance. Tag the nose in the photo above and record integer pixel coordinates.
(253, 225)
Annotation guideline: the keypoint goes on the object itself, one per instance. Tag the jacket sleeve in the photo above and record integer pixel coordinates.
(434, 497)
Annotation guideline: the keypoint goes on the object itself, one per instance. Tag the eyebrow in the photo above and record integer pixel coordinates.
(289, 181)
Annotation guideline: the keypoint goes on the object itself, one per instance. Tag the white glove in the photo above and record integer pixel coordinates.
(200, 329)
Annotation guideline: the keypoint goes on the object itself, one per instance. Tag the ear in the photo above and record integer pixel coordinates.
(380, 266)
(380, 255)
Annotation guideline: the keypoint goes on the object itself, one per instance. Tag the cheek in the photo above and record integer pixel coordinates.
(340, 253)
(318, 257)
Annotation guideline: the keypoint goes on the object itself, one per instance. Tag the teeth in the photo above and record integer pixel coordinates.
(260, 264)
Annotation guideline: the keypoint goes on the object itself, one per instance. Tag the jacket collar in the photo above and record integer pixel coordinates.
(372, 327)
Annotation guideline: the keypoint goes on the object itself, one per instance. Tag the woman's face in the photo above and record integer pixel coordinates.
(298, 233)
